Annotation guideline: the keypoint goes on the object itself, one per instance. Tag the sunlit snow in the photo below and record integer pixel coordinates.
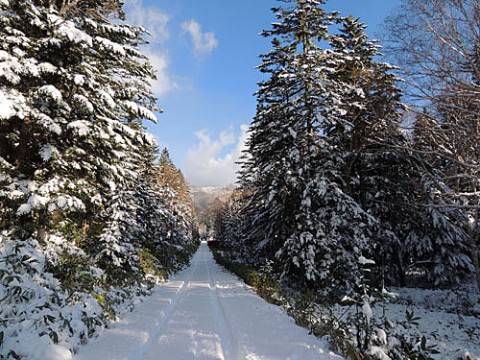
(7, 109)
(82, 127)
(205, 313)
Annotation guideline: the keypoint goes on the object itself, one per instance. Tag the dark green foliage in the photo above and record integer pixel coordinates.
(85, 222)
(329, 174)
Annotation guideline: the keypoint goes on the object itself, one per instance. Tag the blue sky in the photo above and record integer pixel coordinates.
(205, 53)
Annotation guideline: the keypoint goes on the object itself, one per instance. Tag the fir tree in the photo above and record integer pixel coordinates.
(82, 212)
(383, 173)
(183, 228)
(78, 90)
(228, 223)
(281, 133)
(298, 210)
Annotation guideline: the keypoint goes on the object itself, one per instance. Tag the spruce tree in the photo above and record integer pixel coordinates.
(75, 160)
(78, 90)
(228, 223)
(298, 211)
(181, 236)
(281, 133)
(383, 172)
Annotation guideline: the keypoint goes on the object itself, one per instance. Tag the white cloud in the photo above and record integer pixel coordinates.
(206, 166)
(203, 43)
(156, 22)
(165, 81)
(152, 19)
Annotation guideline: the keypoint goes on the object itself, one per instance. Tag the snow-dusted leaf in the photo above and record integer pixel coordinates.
(46, 152)
(81, 127)
(108, 100)
(68, 31)
(50, 91)
(84, 104)
(79, 80)
(110, 45)
(24, 209)
(140, 111)
(47, 68)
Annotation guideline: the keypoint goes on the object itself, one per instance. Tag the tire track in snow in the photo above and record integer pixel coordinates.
(229, 343)
(206, 313)
(154, 332)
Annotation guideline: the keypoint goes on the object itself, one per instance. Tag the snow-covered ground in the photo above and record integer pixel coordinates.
(449, 319)
(205, 313)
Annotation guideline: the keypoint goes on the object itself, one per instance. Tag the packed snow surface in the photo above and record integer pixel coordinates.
(205, 313)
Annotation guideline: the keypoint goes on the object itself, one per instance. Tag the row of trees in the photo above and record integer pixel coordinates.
(331, 177)
(436, 45)
(88, 213)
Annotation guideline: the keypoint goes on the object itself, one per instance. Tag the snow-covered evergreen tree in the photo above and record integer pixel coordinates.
(436, 43)
(298, 212)
(81, 208)
(384, 175)
(76, 90)
(182, 231)
(331, 173)
(439, 243)
(228, 223)
(280, 133)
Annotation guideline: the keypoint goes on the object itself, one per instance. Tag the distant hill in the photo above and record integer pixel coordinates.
(204, 197)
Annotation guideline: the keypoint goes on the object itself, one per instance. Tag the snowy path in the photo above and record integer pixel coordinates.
(205, 313)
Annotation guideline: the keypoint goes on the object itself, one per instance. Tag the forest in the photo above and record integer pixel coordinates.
(358, 177)
(91, 214)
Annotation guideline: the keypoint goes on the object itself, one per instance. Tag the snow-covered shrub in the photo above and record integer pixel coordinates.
(36, 310)
(370, 336)
(81, 213)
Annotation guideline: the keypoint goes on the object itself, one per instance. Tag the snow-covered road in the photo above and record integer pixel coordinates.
(205, 313)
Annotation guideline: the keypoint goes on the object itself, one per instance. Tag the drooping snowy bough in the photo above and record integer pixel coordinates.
(77, 173)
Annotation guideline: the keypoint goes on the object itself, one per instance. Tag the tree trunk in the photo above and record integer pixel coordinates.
(42, 229)
(476, 262)
(472, 242)
(474, 254)
(42, 235)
